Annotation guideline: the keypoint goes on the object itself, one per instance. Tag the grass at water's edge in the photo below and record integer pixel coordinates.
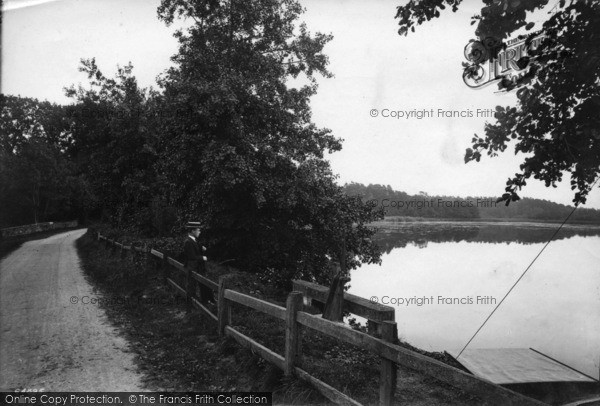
(179, 351)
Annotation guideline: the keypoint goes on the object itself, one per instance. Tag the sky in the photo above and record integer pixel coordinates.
(377, 72)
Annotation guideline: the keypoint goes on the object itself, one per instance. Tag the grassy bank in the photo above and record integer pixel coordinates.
(178, 351)
(181, 351)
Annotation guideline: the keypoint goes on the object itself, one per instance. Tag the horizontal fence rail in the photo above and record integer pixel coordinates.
(256, 304)
(157, 253)
(375, 313)
(391, 354)
(205, 281)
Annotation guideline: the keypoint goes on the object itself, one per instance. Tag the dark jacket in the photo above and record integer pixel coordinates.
(194, 261)
(192, 254)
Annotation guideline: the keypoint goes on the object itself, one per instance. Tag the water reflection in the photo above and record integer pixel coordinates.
(554, 309)
(399, 235)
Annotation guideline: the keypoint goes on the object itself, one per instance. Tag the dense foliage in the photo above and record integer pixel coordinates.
(37, 179)
(113, 145)
(556, 121)
(227, 140)
(239, 151)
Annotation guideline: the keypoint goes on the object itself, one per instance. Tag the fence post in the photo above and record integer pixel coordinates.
(387, 380)
(224, 309)
(293, 305)
(189, 288)
(150, 259)
(374, 327)
(334, 307)
(165, 267)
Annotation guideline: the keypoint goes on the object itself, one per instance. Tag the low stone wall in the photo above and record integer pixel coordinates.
(35, 228)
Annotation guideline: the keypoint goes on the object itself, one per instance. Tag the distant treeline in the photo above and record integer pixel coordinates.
(398, 203)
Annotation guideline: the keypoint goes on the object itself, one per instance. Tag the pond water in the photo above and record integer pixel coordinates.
(445, 278)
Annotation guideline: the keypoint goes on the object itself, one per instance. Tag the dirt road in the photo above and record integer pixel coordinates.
(48, 342)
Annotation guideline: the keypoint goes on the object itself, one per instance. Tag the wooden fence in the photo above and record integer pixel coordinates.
(375, 313)
(390, 354)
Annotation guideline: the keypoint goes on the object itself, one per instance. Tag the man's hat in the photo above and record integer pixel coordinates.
(193, 224)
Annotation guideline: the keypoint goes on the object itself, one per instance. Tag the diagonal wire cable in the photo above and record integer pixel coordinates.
(523, 274)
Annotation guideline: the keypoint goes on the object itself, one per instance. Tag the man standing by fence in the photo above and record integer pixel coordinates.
(193, 260)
